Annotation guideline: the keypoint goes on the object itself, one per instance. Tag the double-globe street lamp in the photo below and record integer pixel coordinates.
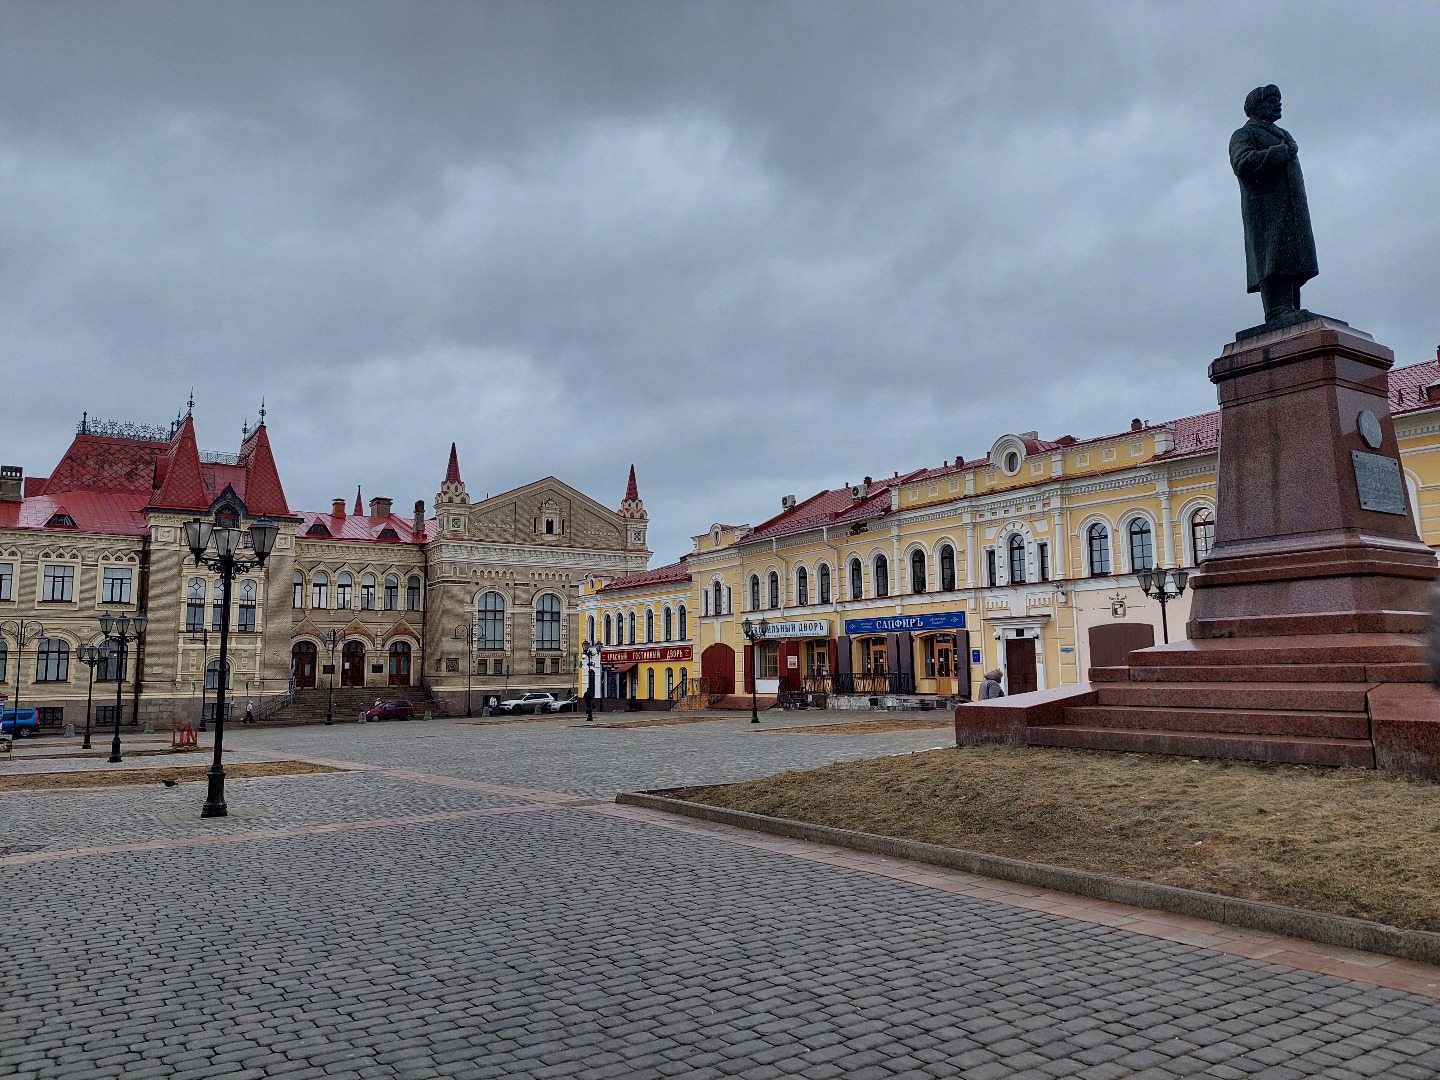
(331, 639)
(203, 640)
(753, 633)
(1154, 585)
(92, 656)
(23, 631)
(225, 532)
(591, 651)
(119, 631)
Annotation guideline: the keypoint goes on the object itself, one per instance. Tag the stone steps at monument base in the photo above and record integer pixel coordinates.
(1276, 673)
(1297, 750)
(1297, 697)
(1227, 721)
(1300, 649)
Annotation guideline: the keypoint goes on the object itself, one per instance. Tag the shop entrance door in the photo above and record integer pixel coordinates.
(1020, 665)
(945, 666)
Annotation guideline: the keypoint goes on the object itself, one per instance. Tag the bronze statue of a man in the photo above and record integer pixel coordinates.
(1279, 244)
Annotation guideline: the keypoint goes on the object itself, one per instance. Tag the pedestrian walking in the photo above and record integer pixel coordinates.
(990, 686)
(249, 713)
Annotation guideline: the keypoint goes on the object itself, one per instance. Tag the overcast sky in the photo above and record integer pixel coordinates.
(755, 249)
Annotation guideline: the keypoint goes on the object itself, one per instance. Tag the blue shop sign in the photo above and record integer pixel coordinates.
(889, 624)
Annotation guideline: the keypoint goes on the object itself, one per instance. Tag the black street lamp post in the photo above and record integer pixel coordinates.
(1154, 585)
(225, 531)
(467, 630)
(331, 639)
(753, 633)
(591, 651)
(92, 656)
(119, 632)
(23, 631)
(204, 640)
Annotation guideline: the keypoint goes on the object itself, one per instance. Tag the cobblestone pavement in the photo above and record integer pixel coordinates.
(466, 903)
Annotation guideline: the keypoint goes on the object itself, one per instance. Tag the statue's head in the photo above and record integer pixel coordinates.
(1263, 102)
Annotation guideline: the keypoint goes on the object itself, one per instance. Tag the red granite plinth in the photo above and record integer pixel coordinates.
(1295, 552)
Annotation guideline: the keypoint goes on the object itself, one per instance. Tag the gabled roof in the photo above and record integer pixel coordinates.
(362, 528)
(660, 575)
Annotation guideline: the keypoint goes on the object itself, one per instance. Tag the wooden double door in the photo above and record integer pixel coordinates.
(1020, 666)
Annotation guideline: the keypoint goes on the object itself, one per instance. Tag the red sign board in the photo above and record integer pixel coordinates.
(645, 654)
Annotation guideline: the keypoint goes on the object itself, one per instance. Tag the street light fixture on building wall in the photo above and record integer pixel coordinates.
(119, 631)
(92, 656)
(1154, 585)
(23, 631)
(753, 633)
(225, 532)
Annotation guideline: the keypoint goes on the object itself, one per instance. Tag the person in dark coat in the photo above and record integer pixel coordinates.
(1279, 243)
(990, 686)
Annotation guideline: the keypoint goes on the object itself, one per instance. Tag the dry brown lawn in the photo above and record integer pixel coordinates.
(183, 774)
(1346, 841)
(868, 727)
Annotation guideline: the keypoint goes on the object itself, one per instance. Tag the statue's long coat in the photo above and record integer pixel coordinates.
(1278, 238)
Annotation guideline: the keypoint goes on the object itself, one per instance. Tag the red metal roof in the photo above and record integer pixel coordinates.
(660, 575)
(98, 463)
(632, 491)
(1407, 385)
(452, 471)
(361, 527)
(179, 480)
(264, 494)
(110, 512)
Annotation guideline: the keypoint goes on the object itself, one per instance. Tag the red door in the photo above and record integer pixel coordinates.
(302, 663)
(1020, 665)
(399, 663)
(717, 665)
(352, 664)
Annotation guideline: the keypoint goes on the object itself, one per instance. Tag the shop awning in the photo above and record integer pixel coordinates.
(621, 669)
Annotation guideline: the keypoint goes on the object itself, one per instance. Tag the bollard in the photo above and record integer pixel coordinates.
(69, 731)
(149, 727)
(427, 714)
(362, 718)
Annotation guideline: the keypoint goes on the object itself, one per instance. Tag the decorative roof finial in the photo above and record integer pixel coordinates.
(85, 423)
(190, 404)
(262, 412)
(245, 428)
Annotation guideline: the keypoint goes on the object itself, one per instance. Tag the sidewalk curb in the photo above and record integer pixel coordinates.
(1420, 945)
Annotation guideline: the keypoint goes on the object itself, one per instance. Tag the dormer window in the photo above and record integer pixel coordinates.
(317, 529)
(61, 521)
(388, 533)
(1012, 462)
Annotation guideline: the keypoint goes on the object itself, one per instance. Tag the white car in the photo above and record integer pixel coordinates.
(527, 703)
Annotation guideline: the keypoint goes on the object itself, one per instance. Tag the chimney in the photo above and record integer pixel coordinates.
(12, 483)
(380, 507)
(1136, 425)
(1432, 394)
(337, 508)
(418, 525)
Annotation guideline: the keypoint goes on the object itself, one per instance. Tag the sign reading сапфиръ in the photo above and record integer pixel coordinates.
(889, 624)
(635, 656)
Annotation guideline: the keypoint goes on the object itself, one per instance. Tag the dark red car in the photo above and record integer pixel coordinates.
(399, 709)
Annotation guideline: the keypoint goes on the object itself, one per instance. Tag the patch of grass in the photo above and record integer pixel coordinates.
(1346, 841)
(877, 726)
(186, 774)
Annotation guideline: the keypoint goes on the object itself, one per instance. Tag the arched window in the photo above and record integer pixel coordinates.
(1016, 548)
(754, 592)
(367, 592)
(392, 592)
(217, 605)
(824, 575)
(342, 591)
(684, 624)
(1142, 545)
(669, 681)
(947, 568)
(917, 571)
(1202, 532)
(630, 627)
(547, 621)
(297, 595)
(412, 594)
(52, 660)
(1098, 544)
(773, 588)
(195, 601)
(882, 576)
(590, 629)
(320, 590)
(857, 580)
(669, 625)
(212, 676)
(490, 621)
(649, 624)
(802, 586)
(715, 603)
(245, 613)
(607, 629)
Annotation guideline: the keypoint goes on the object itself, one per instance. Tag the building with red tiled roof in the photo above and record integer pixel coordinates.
(103, 532)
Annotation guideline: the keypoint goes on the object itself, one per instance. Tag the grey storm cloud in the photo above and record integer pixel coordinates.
(755, 249)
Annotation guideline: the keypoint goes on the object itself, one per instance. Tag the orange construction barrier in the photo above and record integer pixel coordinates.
(184, 737)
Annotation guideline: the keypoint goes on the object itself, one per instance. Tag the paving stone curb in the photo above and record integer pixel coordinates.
(1317, 926)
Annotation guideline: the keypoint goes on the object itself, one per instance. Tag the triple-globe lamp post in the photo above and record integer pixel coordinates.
(225, 531)
(92, 656)
(1154, 584)
(753, 633)
(119, 631)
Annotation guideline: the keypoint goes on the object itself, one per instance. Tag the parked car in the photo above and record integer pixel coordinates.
(399, 709)
(20, 724)
(533, 702)
(569, 704)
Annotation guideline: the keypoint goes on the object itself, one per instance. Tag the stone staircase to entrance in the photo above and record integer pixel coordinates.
(1301, 700)
(310, 703)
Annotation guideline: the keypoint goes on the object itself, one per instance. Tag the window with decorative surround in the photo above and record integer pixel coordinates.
(59, 584)
(115, 585)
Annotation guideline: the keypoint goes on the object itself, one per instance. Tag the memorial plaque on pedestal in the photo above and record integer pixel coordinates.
(1377, 479)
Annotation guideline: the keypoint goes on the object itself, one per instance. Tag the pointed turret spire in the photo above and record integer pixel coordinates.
(632, 490)
(263, 491)
(631, 506)
(452, 473)
(452, 493)
(180, 484)
(359, 506)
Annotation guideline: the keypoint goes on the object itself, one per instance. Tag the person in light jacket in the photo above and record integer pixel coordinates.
(990, 686)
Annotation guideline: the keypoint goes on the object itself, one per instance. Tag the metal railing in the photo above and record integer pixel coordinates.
(893, 682)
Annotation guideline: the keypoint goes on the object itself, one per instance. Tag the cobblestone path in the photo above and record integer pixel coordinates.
(468, 903)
